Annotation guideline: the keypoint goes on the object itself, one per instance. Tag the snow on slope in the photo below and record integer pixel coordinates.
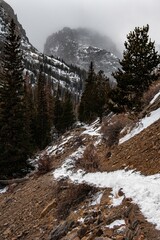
(145, 191)
(155, 97)
(144, 123)
(3, 190)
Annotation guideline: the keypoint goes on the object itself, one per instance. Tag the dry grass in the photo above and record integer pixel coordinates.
(112, 128)
(152, 91)
(44, 164)
(90, 160)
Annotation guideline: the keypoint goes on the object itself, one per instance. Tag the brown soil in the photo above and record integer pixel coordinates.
(142, 153)
(21, 207)
(28, 209)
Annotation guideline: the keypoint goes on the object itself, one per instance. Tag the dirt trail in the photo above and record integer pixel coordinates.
(28, 209)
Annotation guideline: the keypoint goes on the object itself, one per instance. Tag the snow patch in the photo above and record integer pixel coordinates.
(144, 190)
(116, 223)
(66, 169)
(93, 129)
(155, 97)
(3, 190)
(115, 198)
(80, 220)
(144, 123)
(97, 199)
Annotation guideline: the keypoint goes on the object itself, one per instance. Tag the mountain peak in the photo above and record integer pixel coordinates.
(6, 14)
(81, 46)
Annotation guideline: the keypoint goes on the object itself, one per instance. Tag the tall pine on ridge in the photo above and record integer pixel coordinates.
(136, 75)
(14, 142)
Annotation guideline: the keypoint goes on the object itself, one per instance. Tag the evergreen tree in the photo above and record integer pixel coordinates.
(58, 113)
(43, 118)
(94, 99)
(14, 142)
(64, 116)
(68, 116)
(30, 114)
(102, 89)
(86, 111)
(50, 101)
(136, 75)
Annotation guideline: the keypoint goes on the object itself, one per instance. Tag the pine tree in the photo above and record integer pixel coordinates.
(86, 111)
(68, 116)
(94, 99)
(43, 118)
(64, 116)
(57, 114)
(50, 101)
(14, 142)
(30, 113)
(102, 89)
(136, 75)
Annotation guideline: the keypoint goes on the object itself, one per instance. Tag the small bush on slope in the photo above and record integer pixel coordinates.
(44, 164)
(111, 128)
(90, 160)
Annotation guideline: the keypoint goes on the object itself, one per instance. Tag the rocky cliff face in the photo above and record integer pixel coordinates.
(60, 73)
(81, 46)
(6, 14)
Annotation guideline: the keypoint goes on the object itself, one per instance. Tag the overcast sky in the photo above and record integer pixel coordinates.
(115, 18)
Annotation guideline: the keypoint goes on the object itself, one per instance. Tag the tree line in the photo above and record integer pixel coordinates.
(133, 79)
(31, 115)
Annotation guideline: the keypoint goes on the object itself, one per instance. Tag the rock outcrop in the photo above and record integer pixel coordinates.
(81, 46)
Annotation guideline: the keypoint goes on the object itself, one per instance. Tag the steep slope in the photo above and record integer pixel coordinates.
(7, 13)
(81, 46)
(67, 77)
(91, 191)
(124, 204)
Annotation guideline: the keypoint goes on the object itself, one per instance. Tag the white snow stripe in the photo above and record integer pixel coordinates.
(144, 123)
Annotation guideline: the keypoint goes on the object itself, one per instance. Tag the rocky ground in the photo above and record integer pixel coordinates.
(42, 208)
(141, 153)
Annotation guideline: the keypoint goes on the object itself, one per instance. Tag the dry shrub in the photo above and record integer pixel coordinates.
(111, 128)
(152, 91)
(112, 133)
(78, 141)
(44, 164)
(90, 159)
(69, 196)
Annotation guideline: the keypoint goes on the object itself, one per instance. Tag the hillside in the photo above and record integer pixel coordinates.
(81, 46)
(58, 72)
(115, 195)
(96, 181)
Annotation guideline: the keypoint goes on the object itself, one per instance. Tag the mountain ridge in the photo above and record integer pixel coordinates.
(60, 73)
(82, 46)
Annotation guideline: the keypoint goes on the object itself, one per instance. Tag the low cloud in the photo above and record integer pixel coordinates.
(115, 18)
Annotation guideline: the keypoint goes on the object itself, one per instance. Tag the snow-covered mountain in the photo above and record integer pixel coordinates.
(60, 73)
(81, 46)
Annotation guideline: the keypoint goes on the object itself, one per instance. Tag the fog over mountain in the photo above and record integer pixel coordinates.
(114, 18)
